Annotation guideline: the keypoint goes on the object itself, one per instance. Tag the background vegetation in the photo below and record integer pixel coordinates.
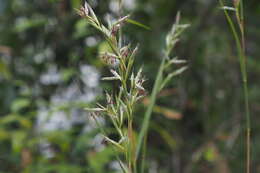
(49, 71)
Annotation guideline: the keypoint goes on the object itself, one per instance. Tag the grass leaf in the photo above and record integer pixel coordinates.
(138, 24)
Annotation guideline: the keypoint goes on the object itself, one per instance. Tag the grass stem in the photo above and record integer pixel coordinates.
(240, 44)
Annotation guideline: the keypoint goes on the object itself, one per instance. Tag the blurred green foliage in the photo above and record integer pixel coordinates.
(45, 55)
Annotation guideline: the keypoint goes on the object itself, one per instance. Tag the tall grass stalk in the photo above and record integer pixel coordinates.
(160, 82)
(119, 107)
(239, 36)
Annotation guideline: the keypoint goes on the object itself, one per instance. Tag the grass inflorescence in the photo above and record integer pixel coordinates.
(120, 106)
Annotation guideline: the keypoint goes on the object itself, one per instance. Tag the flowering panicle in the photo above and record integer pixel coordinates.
(120, 106)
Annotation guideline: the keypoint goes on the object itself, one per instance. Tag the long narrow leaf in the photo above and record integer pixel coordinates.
(138, 24)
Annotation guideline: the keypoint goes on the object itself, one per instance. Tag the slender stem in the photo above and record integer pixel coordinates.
(248, 129)
(148, 112)
(143, 154)
(242, 60)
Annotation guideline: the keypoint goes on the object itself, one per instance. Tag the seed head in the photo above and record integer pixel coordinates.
(122, 20)
(118, 25)
(84, 11)
(124, 51)
(115, 29)
(109, 58)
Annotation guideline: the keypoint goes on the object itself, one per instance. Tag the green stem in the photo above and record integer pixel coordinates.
(240, 44)
(144, 148)
(147, 116)
(248, 129)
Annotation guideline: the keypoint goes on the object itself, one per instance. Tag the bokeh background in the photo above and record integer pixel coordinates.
(49, 71)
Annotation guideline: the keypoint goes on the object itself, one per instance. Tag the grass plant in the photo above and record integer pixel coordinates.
(239, 36)
(120, 106)
(161, 81)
